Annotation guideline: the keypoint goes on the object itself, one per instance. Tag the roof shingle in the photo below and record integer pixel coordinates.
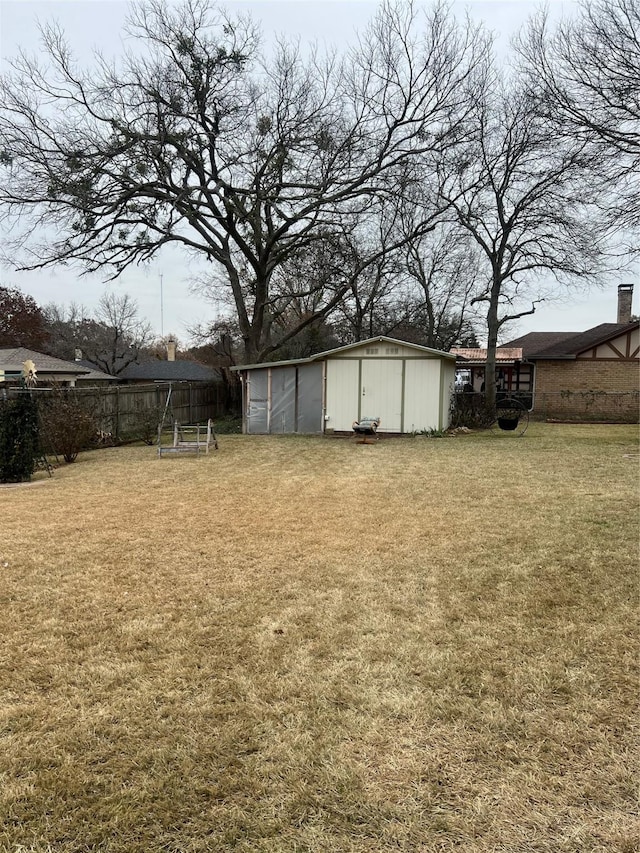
(13, 358)
(179, 370)
(567, 344)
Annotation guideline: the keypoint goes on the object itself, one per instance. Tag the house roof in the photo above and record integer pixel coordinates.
(559, 345)
(475, 355)
(321, 355)
(535, 342)
(94, 374)
(180, 370)
(13, 358)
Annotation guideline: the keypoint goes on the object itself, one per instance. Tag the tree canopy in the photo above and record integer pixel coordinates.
(22, 323)
(319, 186)
(111, 337)
(202, 140)
(586, 75)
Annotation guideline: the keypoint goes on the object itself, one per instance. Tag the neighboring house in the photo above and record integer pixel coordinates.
(49, 370)
(172, 370)
(407, 386)
(155, 370)
(592, 374)
(588, 375)
(513, 373)
(94, 376)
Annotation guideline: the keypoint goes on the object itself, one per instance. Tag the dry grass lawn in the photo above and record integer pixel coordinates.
(302, 644)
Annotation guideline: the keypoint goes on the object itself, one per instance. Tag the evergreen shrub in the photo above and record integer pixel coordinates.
(18, 439)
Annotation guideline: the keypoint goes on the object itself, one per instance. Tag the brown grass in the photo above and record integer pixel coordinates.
(300, 644)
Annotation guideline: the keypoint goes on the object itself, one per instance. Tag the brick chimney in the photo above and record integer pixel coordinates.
(625, 295)
(171, 349)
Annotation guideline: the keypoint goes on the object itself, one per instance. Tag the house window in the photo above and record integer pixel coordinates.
(392, 351)
(371, 350)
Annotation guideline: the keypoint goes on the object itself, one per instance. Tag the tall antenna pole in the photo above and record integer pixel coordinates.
(161, 309)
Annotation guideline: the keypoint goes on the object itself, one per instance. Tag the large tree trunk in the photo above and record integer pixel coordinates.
(492, 343)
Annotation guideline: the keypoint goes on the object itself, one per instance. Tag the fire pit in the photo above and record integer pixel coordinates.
(366, 428)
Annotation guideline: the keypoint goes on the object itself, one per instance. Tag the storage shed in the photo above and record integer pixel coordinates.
(407, 386)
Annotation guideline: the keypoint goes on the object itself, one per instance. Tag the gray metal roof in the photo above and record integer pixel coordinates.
(321, 355)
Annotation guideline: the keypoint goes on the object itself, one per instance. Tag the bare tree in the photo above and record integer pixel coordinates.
(111, 338)
(518, 192)
(419, 288)
(586, 76)
(219, 345)
(444, 266)
(126, 333)
(202, 141)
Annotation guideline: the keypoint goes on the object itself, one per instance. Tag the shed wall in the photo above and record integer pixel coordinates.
(422, 394)
(381, 392)
(282, 414)
(406, 391)
(257, 395)
(343, 393)
(284, 399)
(310, 397)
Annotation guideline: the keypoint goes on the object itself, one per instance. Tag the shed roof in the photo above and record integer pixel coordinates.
(322, 355)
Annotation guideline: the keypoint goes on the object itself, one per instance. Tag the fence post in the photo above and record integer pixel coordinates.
(117, 413)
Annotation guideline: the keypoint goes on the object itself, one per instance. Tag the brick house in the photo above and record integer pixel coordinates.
(587, 376)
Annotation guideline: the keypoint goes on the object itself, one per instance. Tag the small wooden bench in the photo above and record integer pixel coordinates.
(189, 438)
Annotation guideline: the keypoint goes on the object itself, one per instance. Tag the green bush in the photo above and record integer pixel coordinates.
(227, 425)
(18, 439)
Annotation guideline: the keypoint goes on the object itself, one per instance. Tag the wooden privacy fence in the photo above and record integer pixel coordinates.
(134, 411)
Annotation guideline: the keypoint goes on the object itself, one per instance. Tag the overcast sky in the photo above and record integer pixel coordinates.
(98, 24)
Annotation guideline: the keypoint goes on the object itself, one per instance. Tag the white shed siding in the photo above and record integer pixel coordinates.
(381, 392)
(342, 394)
(422, 394)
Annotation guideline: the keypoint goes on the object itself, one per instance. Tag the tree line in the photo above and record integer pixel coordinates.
(111, 337)
(411, 185)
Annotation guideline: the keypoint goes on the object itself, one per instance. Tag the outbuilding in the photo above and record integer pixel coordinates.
(408, 387)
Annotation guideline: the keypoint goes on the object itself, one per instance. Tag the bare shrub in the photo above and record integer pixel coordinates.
(67, 426)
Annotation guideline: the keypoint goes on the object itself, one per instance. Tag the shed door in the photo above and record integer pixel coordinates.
(283, 400)
(257, 395)
(309, 398)
(343, 393)
(381, 392)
